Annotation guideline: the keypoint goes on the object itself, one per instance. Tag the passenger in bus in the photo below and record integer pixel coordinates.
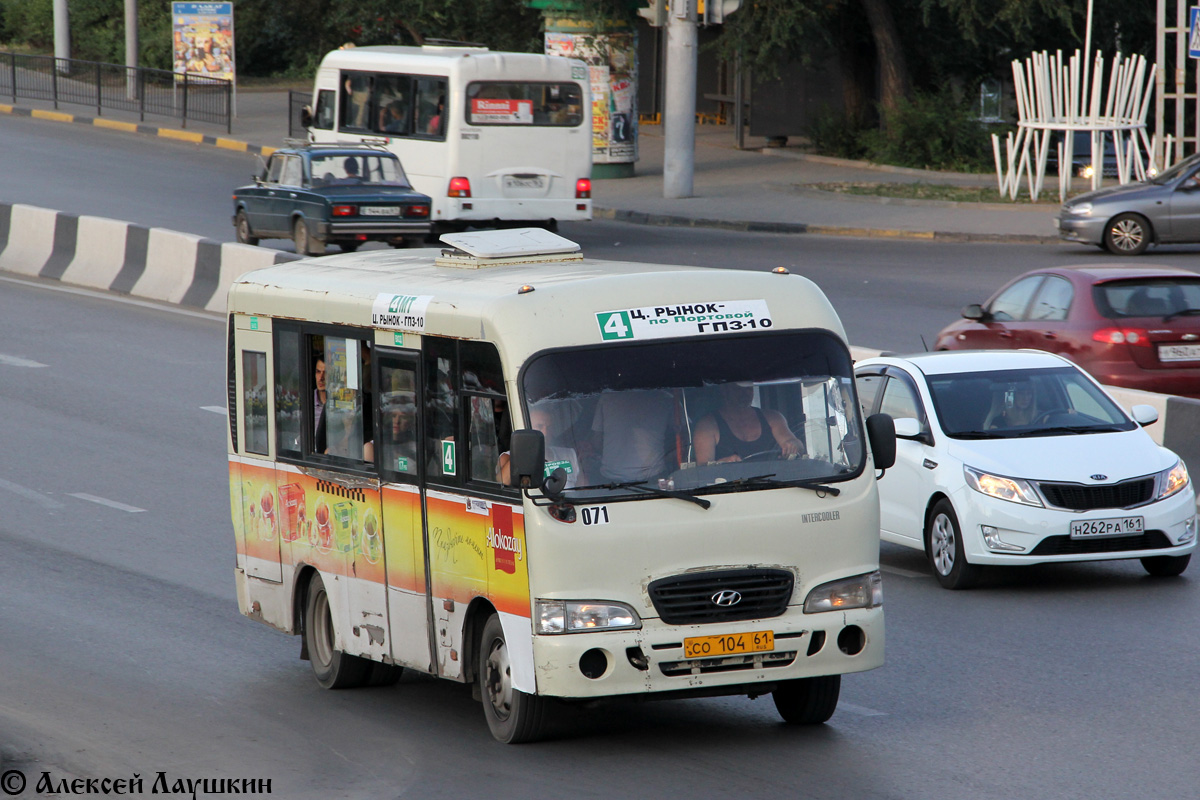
(319, 392)
(434, 128)
(739, 430)
(392, 118)
(355, 99)
(541, 418)
(633, 429)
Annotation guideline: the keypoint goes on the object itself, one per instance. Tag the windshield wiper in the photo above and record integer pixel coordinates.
(799, 483)
(1061, 429)
(996, 434)
(644, 486)
(1185, 312)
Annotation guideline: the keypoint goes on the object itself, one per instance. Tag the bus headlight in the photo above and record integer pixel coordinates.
(1172, 480)
(861, 591)
(579, 616)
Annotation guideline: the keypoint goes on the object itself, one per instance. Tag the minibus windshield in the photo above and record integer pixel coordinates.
(717, 414)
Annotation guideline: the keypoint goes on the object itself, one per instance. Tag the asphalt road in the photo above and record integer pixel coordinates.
(122, 652)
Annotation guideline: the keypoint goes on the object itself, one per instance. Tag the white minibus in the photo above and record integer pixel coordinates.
(558, 479)
(492, 137)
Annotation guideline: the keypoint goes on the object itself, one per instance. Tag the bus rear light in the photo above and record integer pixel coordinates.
(583, 188)
(344, 211)
(459, 187)
(416, 211)
(1136, 337)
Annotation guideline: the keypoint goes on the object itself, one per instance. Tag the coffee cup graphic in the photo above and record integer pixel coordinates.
(324, 531)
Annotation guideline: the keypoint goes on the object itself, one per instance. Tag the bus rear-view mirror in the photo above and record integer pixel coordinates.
(881, 432)
(527, 454)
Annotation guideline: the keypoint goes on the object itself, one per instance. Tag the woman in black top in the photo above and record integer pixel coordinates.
(739, 430)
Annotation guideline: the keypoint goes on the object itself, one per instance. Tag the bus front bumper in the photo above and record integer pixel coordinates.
(652, 660)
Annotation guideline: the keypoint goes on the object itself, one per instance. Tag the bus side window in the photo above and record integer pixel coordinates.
(431, 107)
(348, 398)
(393, 104)
(323, 117)
(488, 424)
(355, 95)
(441, 409)
(396, 442)
(288, 387)
(254, 401)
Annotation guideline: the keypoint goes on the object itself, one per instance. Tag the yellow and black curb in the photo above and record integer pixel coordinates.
(134, 127)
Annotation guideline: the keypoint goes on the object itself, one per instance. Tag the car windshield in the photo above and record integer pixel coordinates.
(1148, 297)
(726, 414)
(1003, 404)
(1178, 170)
(357, 169)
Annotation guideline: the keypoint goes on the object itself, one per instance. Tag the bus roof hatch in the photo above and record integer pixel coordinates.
(510, 246)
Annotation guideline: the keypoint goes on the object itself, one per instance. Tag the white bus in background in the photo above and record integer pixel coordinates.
(494, 138)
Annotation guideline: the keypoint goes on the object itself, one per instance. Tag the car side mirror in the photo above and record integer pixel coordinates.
(1144, 415)
(910, 428)
(881, 433)
(527, 464)
(975, 312)
(306, 117)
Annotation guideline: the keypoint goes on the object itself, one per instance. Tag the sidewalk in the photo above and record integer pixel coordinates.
(759, 189)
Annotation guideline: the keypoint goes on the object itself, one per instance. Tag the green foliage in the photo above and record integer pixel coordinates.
(768, 33)
(834, 134)
(931, 131)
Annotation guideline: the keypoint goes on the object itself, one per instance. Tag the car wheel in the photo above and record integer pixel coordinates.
(348, 247)
(1127, 235)
(512, 715)
(242, 227)
(808, 701)
(305, 244)
(1166, 566)
(944, 547)
(332, 668)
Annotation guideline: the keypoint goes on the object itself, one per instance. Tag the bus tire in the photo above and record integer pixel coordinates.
(384, 674)
(242, 228)
(808, 701)
(332, 668)
(305, 244)
(512, 715)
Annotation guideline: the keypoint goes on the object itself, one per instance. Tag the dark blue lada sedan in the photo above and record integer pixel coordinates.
(318, 195)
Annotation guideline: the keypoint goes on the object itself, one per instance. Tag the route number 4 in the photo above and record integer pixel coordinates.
(615, 325)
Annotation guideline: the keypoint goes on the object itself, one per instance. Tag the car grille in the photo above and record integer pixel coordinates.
(1066, 546)
(688, 599)
(1078, 497)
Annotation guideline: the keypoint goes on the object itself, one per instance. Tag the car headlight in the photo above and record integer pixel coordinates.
(1078, 210)
(579, 616)
(1014, 490)
(1172, 481)
(861, 591)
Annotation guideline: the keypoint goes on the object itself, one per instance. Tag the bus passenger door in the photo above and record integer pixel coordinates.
(401, 540)
(255, 469)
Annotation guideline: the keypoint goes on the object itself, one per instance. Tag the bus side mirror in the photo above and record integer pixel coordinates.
(881, 433)
(306, 117)
(527, 464)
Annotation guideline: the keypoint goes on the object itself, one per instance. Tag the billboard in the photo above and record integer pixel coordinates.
(203, 39)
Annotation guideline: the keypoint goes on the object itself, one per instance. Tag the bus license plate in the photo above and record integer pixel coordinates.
(380, 211)
(1116, 526)
(1179, 352)
(730, 644)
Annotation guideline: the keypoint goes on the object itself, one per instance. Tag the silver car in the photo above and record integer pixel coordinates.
(1128, 219)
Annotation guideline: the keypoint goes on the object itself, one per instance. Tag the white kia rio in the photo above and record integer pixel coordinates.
(1020, 457)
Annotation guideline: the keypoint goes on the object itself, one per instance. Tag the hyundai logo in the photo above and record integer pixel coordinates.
(727, 598)
(1098, 477)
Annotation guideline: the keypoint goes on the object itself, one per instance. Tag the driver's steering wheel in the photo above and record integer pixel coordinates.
(1046, 416)
(763, 454)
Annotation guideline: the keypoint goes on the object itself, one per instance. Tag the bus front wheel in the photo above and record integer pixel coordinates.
(808, 701)
(333, 668)
(512, 715)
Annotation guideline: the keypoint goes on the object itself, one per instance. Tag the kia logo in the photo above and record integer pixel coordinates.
(727, 598)
(1098, 477)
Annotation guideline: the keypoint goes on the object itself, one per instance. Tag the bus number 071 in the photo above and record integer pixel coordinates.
(594, 515)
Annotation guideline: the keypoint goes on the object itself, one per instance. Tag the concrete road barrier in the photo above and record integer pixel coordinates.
(107, 254)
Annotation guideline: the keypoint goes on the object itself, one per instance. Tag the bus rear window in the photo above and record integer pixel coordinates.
(533, 104)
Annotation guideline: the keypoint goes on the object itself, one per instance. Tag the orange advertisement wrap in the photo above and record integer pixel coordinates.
(477, 547)
(291, 518)
(401, 535)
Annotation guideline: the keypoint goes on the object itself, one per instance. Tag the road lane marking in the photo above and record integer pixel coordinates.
(30, 494)
(17, 361)
(91, 498)
(861, 711)
(903, 573)
(215, 409)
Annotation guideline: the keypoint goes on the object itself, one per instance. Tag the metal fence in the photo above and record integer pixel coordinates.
(296, 103)
(135, 89)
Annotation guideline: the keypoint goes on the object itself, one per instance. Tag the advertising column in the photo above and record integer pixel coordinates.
(610, 51)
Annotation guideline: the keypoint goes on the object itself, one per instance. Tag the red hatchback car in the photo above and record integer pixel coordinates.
(1132, 327)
